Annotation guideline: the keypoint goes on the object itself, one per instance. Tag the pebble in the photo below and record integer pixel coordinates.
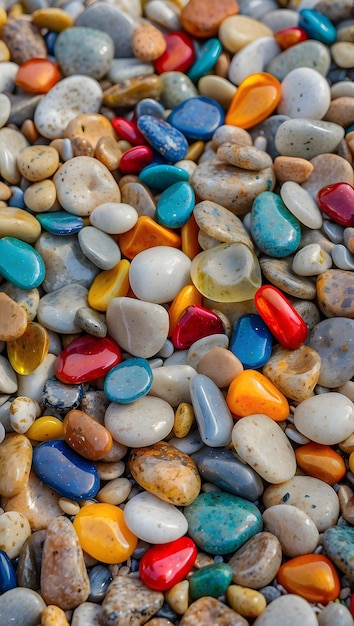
(256, 563)
(331, 338)
(299, 611)
(294, 372)
(203, 611)
(85, 51)
(335, 613)
(314, 567)
(269, 218)
(309, 82)
(16, 460)
(128, 599)
(329, 285)
(153, 520)
(14, 530)
(142, 422)
(245, 601)
(312, 54)
(296, 531)
(57, 310)
(211, 412)
(291, 138)
(21, 604)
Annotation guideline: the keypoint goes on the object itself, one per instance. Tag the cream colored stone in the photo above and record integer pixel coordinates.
(295, 530)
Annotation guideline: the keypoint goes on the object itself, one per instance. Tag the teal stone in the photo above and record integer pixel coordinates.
(318, 26)
(220, 523)
(162, 175)
(21, 264)
(175, 205)
(338, 542)
(210, 580)
(209, 54)
(128, 381)
(60, 222)
(274, 229)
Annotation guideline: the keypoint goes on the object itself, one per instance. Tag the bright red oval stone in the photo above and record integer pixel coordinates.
(337, 201)
(135, 159)
(126, 129)
(287, 37)
(87, 358)
(37, 75)
(165, 565)
(195, 323)
(282, 319)
(179, 55)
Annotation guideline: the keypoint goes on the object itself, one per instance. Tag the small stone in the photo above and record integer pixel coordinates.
(87, 614)
(294, 372)
(84, 51)
(311, 260)
(24, 40)
(154, 520)
(332, 409)
(334, 293)
(57, 309)
(292, 137)
(22, 605)
(13, 318)
(128, 600)
(294, 169)
(205, 611)
(295, 530)
(148, 42)
(247, 602)
(332, 339)
(220, 365)
(256, 563)
(15, 464)
(290, 604)
(335, 613)
(14, 530)
(53, 615)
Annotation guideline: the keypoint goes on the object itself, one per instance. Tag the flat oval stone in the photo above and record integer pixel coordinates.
(114, 218)
(245, 157)
(21, 604)
(337, 542)
(327, 418)
(256, 563)
(294, 372)
(197, 118)
(151, 271)
(212, 580)
(128, 381)
(328, 169)
(300, 203)
(11, 143)
(15, 464)
(334, 291)
(57, 310)
(144, 422)
(251, 341)
(311, 260)
(212, 414)
(220, 365)
(20, 263)
(335, 613)
(253, 58)
(289, 604)
(295, 530)
(220, 223)
(153, 520)
(86, 436)
(281, 274)
(332, 339)
(19, 223)
(221, 523)
(274, 229)
(176, 87)
(60, 222)
(237, 31)
(172, 382)
(99, 248)
(292, 137)
(166, 139)
(175, 205)
(305, 94)
(87, 51)
(203, 612)
(313, 54)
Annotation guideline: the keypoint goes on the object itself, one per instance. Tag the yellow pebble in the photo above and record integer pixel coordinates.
(177, 597)
(184, 418)
(195, 150)
(3, 17)
(351, 462)
(109, 284)
(53, 616)
(347, 445)
(247, 602)
(4, 51)
(45, 428)
(52, 18)
(15, 12)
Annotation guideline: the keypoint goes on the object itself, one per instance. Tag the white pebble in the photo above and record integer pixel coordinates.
(141, 423)
(23, 412)
(14, 530)
(158, 274)
(327, 418)
(153, 520)
(114, 218)
(296, 531)
(301, 204)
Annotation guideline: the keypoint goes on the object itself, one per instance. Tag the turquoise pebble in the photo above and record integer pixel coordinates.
(274, 229)
(8, 578)
(210, 580)
(65, 471)
(161, 176)
(168, 141)
(128, 381)
(197, 118)
(338, 542)
(175, 205)
(220, 523)
(318, 26)
(208, 56)
(148, 106)
(20, 263)
(61, 396)
(60, 222)
(251, 341)
(211, 412)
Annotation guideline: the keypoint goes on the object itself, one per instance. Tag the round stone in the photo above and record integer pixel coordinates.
(143, 422)
(289, 604)
(158, 274)
(86, 51)
(38, 162)
(114, 218)
(295, 530)
(332, 339)
(327, 418)
(305, 94)
(154, 520)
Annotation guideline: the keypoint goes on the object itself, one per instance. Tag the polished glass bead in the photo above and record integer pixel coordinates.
(165, 565)
(256, 98)
(87, 358)
(282, 319)
(27, 352)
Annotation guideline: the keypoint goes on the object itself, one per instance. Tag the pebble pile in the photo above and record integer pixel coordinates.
(177, 313)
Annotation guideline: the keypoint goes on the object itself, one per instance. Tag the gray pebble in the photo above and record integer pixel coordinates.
(99, 248)
(21, 606)
(123, 69)
(307, 138)
(335, 613)
(90, 321)
(310, 53)
(333, 231)
(87, 51)
(342, 258)
(328, 338)
(111, 20)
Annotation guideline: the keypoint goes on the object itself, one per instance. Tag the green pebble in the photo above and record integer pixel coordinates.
(211, 580)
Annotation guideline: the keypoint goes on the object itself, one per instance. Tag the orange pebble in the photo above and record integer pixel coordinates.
(251, 392)
(321, 461)
(37, 76)
(311, 576)
(186, 297)
(146, 234)
(86, 436)
(256, 98)
(189, 236)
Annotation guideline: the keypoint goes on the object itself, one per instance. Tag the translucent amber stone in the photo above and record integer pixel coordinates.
(109, 284)
(146, 234)
(312, 576)
(45, 428)
(189, 236)
(251, 392)
(321, 461)
(256, 98)
(27, 352)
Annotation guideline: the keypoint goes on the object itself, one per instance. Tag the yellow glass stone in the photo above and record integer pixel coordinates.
(184, 418)
(45, 428)
(103, 533)
(187, 296)
(109, 284)
(29, 350)
(245, 601)
(195, 150)
(3, 17)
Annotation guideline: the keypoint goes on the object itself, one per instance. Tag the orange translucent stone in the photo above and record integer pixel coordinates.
(321, 461)
(256, 98)
(45, 428)
(288, 37)
(103, 533)
(189, 236)
(186, 297)
(86, 436)
(146, 234)
(109, 284)
(37, 75)
(312, 576)
(251, 392)
(27, 352)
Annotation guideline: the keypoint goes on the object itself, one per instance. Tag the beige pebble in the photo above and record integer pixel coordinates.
(52, 18)
(115, 491)
(222, 65)
(87, 614)
(207, 611)
(81, 147)
(343, 53)
(347, 389)
(177, 597)
(246, 157)
(236, 31)
(257, 562)
(69, 506)
(14, 530)
(13, 318)
(184, 419)
(346, 503)
(110, 471)
(41, 197)
(5, 192)
(108, 152)
(295, 169)
(328, 168)
(148, 42)
(218, 88)
(38, 162)
(294, 372)
(23, 412)
(116, 453)
(344, 151)
(296, 531)
(231, 134)
(248, 602)
(221, 365)
(15, 463)
(341, 111)
(29, 130)
(342, 88)
(53, 616)
(19, 223)
(90, 126)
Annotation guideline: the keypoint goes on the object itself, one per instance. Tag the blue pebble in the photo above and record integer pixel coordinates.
(251, 341)
(50, 38)
(60, 222)
(61, 396)
(197, 118)
(100, 578)
(211, 412)
(65, 471)
(208, 56)
(318, 26)
(274, 229)
(149, 106)
(166, 139)
(17, 198)
(175, 205)
(159, 177)
(128, 381)
(20, 263)
(8, 579)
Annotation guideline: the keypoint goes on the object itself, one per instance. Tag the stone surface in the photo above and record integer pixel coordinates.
(128, 600)
(256, 563)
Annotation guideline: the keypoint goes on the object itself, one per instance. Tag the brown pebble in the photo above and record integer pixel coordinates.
(230, 134)
(295, 169)
(108, 152)
(29, 131)
(129, 601)
(24, 40)
(221, 365)
(82, 147)
(148, 42)
(128, 93)
(5, 192)
(335, 293)
(202, 19)
(13, 318)
(15, 464)
(222, 65)
(208, 611)
(341, 111)
(89, 126)
(257, 562)
(53, 616)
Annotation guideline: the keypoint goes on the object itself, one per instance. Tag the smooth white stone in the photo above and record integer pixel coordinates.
(114, 218)
(342, 89)
(311, 260)
(14, 530)
(164, 14)
(158, 274)
(23, 412)
(141, 423)
(68, 98)
(11, 144)
(7, 75)
(140, 328)
(57, 310)
(281, 18)
(171, 383)
(307, 138)
(260, 442)
(179, 357)
(301, 204)
(304, 93)
(99, 248)
(313, 496)
(252, 58)
(288, 610)
(295, 530)
(5, 109)
(327, 418)
(8, 377)
(154, 520)
(115, 491)
(167, 350)
(123, 69)
(202, 346)
(335, 614)
(31, 385)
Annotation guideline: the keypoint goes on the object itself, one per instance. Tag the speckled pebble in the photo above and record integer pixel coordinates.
(294, 372)
(305, 94)
(280, 273)
(205, 611)
(295, 530)
(307, 138)
(128, 600)
(14, 530)
(256, 563)
(57, 310)
(335, 613)
(22, 605)
(86, 51)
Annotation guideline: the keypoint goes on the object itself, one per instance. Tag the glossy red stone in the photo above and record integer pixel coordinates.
(287, 37)
(337, 201)
(87, 358)
(179, 55)
(126, 129)
(135, 159)
(282, 319)
(165, 565)
(195, 322)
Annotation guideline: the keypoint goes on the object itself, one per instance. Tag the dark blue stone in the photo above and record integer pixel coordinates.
(162, 176)
(251, 341)
(100, 578)
(166, 139)
(8, 578)
(50, 38)
(60, 222)
(65, 471)
(61, 396)
(197, 118)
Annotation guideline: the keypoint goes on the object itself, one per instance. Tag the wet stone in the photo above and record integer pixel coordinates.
(21, 604)
(332, 339)
(128, 600)
(208, 610)
(61, 396)
(257, 562)
(30, 561)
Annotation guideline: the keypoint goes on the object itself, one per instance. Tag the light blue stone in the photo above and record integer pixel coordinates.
(128, 381)
(149, 106)
(17, 198)
(60, 222)
(21, 264)
(61, 396)
(175, 205)
(210, 580)
(274, 229)
(318, 26)
(87, 51)
(338, 542)
(211, 412)
(197, 118)
(208, 56)
(159, 177)
(168, 141)
(220, 523)
(251, 341)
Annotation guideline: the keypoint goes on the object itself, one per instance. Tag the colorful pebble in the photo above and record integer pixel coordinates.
(155, 566)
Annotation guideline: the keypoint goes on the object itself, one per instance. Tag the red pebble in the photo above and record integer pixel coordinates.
(179, 55)
(337, 201)
(135, 159)
(37, 75)
(288, 37)
(165, 565)
(282, 319)
(351, 606)
(126, 129)
(195, 322)
(87, 358)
